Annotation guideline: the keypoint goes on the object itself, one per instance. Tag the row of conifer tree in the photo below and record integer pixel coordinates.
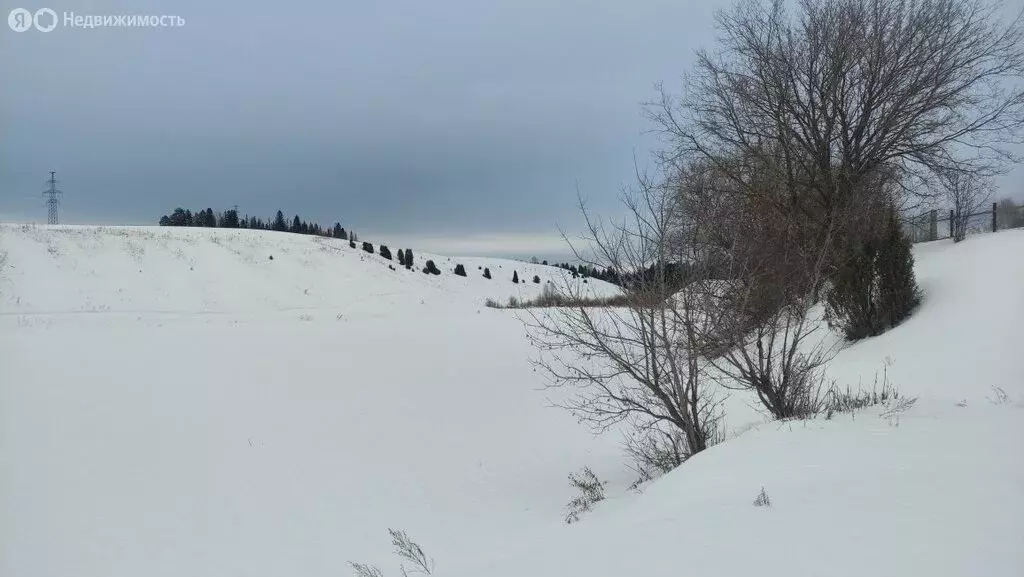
(230, 219)
(207, 218)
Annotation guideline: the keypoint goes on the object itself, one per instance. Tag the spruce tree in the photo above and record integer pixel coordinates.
(229, 219)
(409, 261)
(897, 284)
(401, 257)
(536, 279)
(279, 223)
(460, 270)
(873, 287)
(515, 277)
(177, 217)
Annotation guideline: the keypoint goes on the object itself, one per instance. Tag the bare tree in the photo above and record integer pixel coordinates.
(767, 341)
(769, 271)
(840, 90)
(967, 194)
(638, 363)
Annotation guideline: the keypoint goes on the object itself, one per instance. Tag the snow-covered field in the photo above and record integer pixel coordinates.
(173, 402)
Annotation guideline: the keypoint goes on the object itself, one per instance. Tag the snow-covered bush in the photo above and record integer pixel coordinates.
(431, 268)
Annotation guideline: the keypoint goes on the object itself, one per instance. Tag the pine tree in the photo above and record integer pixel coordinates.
(385, 252)
(897, 285)
(460, 270)
(177, 217)
(401, 257)
(336, 233)
(536, 279)
(279, 223)
(189, 221)
(229, 219)
(409, 260)
(487, 273)
(874, 288)
(515, 277)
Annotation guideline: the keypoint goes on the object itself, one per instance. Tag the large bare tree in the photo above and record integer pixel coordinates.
(834, 91)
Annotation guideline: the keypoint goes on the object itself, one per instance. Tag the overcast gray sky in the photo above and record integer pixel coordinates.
(462, 123)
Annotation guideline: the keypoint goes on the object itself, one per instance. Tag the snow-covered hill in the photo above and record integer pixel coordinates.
(173, 402)
(191, 270)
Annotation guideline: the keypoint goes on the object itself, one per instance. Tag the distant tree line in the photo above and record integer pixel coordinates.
(586, 271)
(229, 219)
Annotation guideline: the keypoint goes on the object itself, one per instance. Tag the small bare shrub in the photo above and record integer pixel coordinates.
(655, 451)
(967, 195)
(591, 492)
(895, 408)
(551, 298)
(882, 393)
(409, 550)
(762, 499)
(405, 548)
(1000, 396)
(362, 570)
(847, 400)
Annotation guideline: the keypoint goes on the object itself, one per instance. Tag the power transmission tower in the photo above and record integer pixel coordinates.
(52, 198)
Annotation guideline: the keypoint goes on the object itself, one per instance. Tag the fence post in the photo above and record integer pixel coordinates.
(933, 225)
(995, 224)
(951, 223)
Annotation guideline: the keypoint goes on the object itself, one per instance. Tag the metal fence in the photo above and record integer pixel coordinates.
(938, 224)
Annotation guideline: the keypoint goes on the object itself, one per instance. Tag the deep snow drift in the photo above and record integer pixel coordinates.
(173, 402)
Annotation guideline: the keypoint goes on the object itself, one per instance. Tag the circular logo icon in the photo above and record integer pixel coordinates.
(39, 22)
(21, 20)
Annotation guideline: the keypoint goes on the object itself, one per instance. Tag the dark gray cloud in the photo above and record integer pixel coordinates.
(399, 117)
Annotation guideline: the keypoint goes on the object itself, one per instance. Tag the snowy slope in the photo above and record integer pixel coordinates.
(190, 270)
(219, 413)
